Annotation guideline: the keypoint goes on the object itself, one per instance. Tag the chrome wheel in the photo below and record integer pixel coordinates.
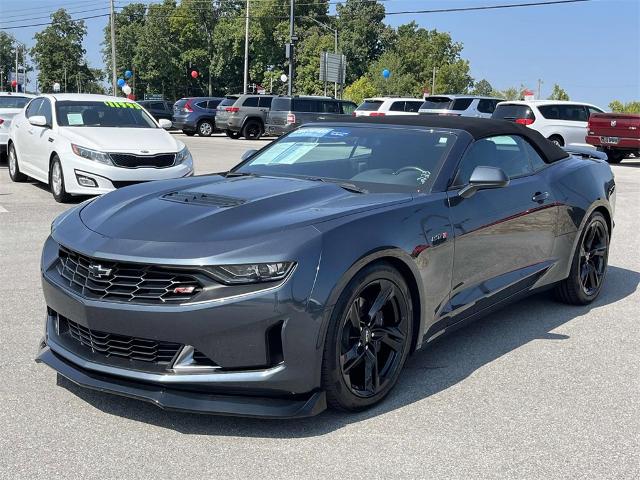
(593, 257)
(56, 178)
(373, 338)
(205, 129)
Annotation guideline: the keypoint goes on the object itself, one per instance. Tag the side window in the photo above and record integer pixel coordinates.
(487, 106)
(593, 110)
(156, 106)
(250, 102)
(213, 104)
(573, 113)
(45, 111)
(33, 108)
(461, 103)
(330, 107)
(201, 104)
(551, 112)
(412, 106)
(348, 108)
(265, 102)
(305, 106)
(507, 152)
(537, 163)
(397, 107)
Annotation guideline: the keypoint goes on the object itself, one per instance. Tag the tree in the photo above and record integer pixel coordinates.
(7, 56)
(129, 23)
(359, 90)
(558, 93)
(363, 35)
(482, 88)
(629, 107)
(58, 51)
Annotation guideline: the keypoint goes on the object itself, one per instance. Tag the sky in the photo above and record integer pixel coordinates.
(591, 49)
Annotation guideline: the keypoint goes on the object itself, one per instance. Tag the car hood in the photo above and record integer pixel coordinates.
(215, 208)
(126, 140)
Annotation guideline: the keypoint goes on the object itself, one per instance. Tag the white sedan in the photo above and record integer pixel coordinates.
(91, 144)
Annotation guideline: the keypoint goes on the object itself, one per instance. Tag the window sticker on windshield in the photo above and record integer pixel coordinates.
(339, 133)
(123, 105)
(443, 140)
(75, 119)
(310, 132)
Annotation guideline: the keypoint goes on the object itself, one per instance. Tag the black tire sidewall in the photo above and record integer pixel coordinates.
(338, 392)
(560, 140)
(248, 125)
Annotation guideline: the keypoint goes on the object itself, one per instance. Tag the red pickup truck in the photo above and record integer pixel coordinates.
(616, 134)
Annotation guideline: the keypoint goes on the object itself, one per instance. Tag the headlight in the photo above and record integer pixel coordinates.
(89, 154)
(251, 273)
(183, 155)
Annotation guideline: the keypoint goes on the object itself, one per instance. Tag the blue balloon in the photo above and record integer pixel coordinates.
(386, 73)
(121, 82)
(128, 74)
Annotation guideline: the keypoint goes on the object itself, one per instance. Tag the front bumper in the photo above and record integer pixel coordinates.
(234, 332)
(183, 400)
(181, 123)
(279, 130)
(108, 177)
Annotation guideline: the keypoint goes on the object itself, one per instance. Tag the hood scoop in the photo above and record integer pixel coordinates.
(199, 198)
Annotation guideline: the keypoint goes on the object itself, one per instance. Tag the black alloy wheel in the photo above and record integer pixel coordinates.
(252, 130)
(589, 266)
(593, 258)
(370, 339)
(232, 134)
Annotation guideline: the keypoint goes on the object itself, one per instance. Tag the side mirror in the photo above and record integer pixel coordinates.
(484, 177)
(164, 123)
(38, 121)
(247, 154)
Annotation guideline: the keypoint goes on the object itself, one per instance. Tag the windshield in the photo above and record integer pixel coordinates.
(102, 114)
(375, 158)
(13, 102)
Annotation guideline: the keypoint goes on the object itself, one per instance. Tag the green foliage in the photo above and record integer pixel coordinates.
(558, 93)
(482, 88)
(629, 107)
(58, 49)
(359, 90)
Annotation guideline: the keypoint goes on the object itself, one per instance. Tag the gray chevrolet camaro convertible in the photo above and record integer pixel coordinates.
(306, 275)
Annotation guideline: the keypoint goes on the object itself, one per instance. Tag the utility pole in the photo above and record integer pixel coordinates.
(17, 47)
(114, 83)
(433, 82)
(246, 50)
(540, 82)
(65, 78)
(292, 39)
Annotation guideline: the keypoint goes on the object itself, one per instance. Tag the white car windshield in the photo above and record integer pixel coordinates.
(110, 114)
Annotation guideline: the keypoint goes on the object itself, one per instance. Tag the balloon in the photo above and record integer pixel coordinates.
(194, 74)
(128, 74)
(386, 73)
(283, 78)
(121, 82)
(131, 96)
(13, 83)
(126, 89)
(56, 87)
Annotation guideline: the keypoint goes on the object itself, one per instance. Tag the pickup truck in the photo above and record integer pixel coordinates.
(616, 134)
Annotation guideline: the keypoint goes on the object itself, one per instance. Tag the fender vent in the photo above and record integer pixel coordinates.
(198, 198)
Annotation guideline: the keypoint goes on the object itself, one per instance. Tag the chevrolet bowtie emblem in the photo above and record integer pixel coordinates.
(98, 271)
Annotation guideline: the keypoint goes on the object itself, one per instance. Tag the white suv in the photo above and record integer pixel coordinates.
(459, 105)
(383, 106)
(564, 123)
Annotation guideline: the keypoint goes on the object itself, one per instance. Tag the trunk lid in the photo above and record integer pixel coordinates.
(625, 125)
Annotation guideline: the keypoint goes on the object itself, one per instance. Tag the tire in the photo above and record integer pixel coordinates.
(350, 351)
(14, 170)
(188, 133)
(252, 130)
(614, 156)
(205, 128)
(56, 182)
(589, 264)
(557, 139)
(232, 134)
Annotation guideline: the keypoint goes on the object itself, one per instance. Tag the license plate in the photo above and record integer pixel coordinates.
(610, 140)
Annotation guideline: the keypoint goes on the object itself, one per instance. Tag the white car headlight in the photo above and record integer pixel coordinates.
(183, 155)
(89, 154)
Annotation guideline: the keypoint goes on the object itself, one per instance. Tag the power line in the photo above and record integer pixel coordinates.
(48, 7)
(50, 14)
(440, 10)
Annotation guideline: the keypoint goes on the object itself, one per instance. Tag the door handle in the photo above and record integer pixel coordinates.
(540, 196)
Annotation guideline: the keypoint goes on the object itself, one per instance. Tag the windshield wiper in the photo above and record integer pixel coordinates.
(349, 187)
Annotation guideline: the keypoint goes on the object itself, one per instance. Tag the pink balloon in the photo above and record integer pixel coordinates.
(194, 74)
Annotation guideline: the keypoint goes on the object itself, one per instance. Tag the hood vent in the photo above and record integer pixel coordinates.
(198, 198)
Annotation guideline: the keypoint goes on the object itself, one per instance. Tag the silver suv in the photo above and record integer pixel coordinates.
(247, 116)
(459, 105)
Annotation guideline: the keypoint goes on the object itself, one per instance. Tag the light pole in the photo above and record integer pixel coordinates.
(114, 83)
(246, 51)
(335, 46)
(292, 39)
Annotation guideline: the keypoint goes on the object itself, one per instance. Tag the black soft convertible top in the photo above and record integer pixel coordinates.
(476, 127)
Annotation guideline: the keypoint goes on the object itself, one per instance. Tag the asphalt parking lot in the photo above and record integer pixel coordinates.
(537, 390)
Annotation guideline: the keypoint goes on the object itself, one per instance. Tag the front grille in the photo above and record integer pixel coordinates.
(123, 346)
(125, 282)
(126, 160)
(122, 184)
